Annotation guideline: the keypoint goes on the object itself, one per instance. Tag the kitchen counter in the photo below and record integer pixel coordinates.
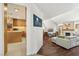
(15, 31)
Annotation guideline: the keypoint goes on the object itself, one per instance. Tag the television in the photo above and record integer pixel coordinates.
(67, 34)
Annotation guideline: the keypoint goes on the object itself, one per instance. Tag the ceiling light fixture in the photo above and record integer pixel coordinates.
(16, 10)
(5, 8)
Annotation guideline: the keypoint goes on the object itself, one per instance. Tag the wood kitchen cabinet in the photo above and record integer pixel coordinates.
(12, 36)
(19, 22)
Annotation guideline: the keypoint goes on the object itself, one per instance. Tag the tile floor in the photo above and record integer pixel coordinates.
(17, 49)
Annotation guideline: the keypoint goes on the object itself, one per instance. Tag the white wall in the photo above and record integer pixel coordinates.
(49, 24)
(35, 34)
(1, 31)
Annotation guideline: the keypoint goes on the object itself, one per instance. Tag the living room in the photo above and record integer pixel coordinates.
(62, 32)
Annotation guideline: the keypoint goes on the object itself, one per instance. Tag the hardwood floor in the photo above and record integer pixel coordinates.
(52, 49)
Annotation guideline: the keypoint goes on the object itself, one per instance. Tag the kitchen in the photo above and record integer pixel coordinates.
(15, 29)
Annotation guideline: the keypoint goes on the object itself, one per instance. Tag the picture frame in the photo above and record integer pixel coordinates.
(37, 22)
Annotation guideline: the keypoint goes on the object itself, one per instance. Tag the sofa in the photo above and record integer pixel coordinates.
(66, 42)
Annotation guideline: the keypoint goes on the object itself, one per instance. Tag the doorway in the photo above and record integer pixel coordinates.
(14, 30)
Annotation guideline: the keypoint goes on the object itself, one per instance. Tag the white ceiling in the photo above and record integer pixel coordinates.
(20, 14)
(71, 16)
(51, 10)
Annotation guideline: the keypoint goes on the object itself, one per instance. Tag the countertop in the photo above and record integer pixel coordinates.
(15, 31)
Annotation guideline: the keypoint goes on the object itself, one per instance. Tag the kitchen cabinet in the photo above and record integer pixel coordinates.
(19, 22)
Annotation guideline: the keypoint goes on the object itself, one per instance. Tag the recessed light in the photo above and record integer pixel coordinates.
(5, 8)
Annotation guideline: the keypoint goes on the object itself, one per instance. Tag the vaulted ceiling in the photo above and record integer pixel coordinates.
(51, 10)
